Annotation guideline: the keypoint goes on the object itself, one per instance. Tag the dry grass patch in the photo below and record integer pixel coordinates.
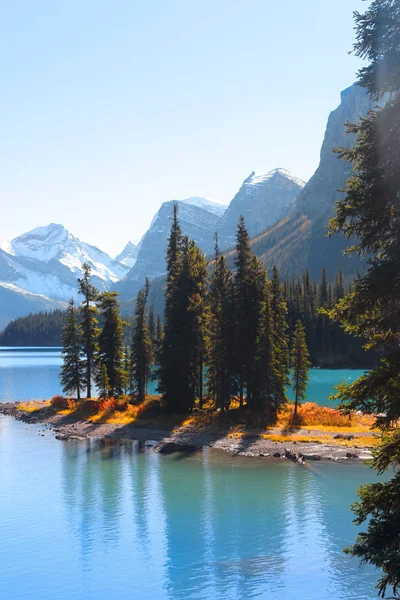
(324, 417)
(33, 405)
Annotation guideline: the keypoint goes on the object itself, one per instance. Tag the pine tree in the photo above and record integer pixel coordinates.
(255, 361)
(128, 371)
(182, 345)
(89, 324)
(73, 367)
(266, 364)
(142, 347)
(242, 300)
(152, 328)
(219, 352)
(300, 365)
(370, 216)
(103, 382)
(168, 375)
(280, 340)
(158, 340)
(110, 342)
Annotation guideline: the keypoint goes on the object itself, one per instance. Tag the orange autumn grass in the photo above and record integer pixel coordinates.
(236, 424)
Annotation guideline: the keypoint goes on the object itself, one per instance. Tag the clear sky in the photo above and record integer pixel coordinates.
(110, 107)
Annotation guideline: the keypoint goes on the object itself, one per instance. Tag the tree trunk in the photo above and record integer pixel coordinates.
(241, 391)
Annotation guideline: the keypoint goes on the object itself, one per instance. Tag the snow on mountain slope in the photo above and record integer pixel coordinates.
(54, 242)
(196, 222)
(41, 267)
(129, 254)
(262, 200)
(15, 302)
(213, 206)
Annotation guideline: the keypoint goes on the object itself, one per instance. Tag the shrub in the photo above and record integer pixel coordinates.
(59, 402)
(71, 404)
(107, 405)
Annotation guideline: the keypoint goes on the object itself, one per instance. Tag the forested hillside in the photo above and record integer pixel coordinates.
(39, 329)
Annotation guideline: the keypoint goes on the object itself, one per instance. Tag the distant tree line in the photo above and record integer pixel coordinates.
(39, 329)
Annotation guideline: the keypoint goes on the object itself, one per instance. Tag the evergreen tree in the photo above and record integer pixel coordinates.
(219, 355)
(73, 367)
(128, 371)
(242, 290)
(158, 340)
(103, 382)
(89, 324)
(110, 342)
(152, 328)
(266, 364)
(142, 347)
(280, 340)
(254, 360)
(300, 365)
(168, 374)
(369, 215)
(183, 343)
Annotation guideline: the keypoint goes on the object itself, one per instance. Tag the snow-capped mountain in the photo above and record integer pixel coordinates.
(129, 254)
(41, 268)
(54, 243)
(263, 199)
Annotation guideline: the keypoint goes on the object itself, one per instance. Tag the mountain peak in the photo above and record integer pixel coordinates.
(259, 178)
(214, 206)
(129, 254)
(44, 231)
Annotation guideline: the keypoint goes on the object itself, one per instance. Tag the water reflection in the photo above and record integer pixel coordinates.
(209, 527)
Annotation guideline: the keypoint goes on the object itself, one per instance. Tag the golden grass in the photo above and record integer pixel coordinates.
(312, 415)
(122, 413)
(33, 405)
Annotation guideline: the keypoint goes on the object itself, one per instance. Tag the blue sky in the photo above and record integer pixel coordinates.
(109, 108)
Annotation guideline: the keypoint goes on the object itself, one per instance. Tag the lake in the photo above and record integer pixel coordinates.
(81, 520)
(33, 373)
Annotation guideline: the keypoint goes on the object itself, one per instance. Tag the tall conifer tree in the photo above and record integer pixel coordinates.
(220, 340)
(370, 215)
(182, 345)
(73, 370)
(110, 342)
(280, 340)
(242, 285)
(89, 324)
(300, 365)
(142, 347)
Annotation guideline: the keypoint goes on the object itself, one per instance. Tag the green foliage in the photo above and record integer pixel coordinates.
(280, 340)
(370, 212)
(39, 329)
(242, 301)
(88, 324)
(142, 345)
(300, 364)
(110, 348)
(103, 382)
(328, 343)
(220, 333)
(183, 343)
(73, 371)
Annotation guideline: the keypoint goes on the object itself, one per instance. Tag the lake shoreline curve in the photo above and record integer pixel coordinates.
(186, 441)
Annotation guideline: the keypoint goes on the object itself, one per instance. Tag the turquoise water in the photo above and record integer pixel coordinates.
(82, 521)
(33, 373)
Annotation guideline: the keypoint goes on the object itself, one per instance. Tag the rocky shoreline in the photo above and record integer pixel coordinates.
(186, 440)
